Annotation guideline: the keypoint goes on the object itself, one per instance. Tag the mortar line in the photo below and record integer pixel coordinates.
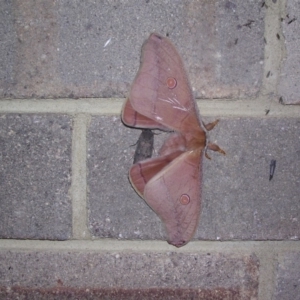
(273, 57)
(112, 106)
(79, 175)
(273, 50)
(270, 248)
(267, 272)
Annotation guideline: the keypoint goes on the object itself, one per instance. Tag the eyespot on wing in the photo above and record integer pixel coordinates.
(171, 82)
(184, 199)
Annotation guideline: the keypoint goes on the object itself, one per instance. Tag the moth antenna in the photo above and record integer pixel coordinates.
(211, 125)
(216, 148)
(206, 155)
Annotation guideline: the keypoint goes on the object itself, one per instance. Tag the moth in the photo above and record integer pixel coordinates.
(161, 98)
(272, 168)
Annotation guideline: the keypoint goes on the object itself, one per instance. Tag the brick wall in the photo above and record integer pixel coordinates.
(71, 226)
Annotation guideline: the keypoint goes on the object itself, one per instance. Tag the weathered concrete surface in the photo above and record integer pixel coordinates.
(289, 87)
(74, 49)
(35, 173)
(122, 275)
(239, 201)
(288, 277)
(61, 293)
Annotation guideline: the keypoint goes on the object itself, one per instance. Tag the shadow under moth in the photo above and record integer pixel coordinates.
(161, 98)
(144, 146)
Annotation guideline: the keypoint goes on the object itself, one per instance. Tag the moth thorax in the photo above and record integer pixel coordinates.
(197, 142)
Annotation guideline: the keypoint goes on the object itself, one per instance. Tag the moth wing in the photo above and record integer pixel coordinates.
(132, 118)
(142, 172)
(161, 90)
(175, 142)
(175, 196)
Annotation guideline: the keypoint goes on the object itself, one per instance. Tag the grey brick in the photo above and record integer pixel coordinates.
(35, 172)
(57, 49)
(122, 275)
(289, 87)
(238, 56)
(8, 45)
(239, 201)
(288, 277)
(114, 209)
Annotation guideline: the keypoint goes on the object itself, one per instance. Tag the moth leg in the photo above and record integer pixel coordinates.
(211, 125)
(206, 155)
(213, 147)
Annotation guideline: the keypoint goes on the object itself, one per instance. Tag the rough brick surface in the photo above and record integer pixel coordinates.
(288, 277)
(128, 275)
(8, 37)
(92, 49)
(239, 201)
(35, 172)
(289, 87)
(61, 293)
